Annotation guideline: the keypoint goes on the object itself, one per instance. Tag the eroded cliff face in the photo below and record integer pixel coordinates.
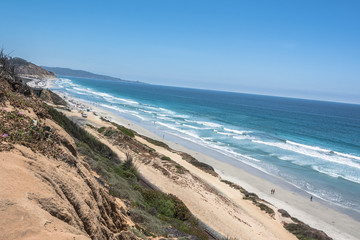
(42, 198)
(46, 190)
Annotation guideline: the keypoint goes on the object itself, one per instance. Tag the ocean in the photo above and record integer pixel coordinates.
(312, 145)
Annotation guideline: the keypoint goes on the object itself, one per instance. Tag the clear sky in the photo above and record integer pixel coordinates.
(308, 49)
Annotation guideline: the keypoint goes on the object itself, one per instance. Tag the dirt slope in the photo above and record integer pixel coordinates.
(46, 190)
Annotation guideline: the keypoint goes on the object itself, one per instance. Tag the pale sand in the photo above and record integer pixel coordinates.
(335, 224)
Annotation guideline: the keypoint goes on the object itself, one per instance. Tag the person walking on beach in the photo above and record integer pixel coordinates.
(310, 198)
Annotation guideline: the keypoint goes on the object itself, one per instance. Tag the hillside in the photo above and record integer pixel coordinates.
(27, 69)
(58, 181)
(80, 73)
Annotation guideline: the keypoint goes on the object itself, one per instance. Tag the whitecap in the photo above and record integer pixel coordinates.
(236, 131)
(311, 152)
(209, 124)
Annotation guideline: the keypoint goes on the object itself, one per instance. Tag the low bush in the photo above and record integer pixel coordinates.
(165, 158)
(80, 134)
(266, 209)
(109, 132)
(102, 129)
(124, 130)
(203, 166)
(156, 142)
(90, 126)
(180, 169)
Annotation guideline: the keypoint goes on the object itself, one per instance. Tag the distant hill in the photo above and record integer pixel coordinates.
(80, 73)
(25, 69)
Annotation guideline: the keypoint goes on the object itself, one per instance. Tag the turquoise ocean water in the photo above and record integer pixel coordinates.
(311, 145)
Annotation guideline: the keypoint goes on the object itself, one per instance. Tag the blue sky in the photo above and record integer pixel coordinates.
(308, 49)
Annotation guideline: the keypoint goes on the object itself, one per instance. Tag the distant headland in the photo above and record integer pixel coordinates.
(82, 74)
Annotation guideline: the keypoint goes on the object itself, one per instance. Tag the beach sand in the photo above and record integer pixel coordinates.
(208, 208)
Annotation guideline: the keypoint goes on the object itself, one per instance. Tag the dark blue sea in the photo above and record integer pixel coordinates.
(312, 145)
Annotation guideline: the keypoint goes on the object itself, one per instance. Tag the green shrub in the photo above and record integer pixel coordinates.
(150, 222)
(180, 169)
(146, 147)
(80, 134)
(102, 129)
(156, 142)
(109, 132)
(265, 208)
(90, 126)
(165, 158)
(127, 169)
(166, 204)
(124, 130)
(300, 231)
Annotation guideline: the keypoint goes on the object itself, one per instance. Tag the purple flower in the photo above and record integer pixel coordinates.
(20, 113)
(5, 135)
(27, 98)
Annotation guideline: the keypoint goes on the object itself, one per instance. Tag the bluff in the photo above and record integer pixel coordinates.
(27, 69)
(58, 181)
(47, 190)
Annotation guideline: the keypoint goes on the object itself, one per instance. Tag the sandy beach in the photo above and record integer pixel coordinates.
(317, 215)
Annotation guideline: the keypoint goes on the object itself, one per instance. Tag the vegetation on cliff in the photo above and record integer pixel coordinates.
(153, 211)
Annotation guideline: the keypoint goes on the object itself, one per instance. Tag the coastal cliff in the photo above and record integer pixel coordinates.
(27, 69)
(66, 177)
(49, 189)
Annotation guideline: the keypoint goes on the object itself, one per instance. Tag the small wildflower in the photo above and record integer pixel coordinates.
(5, 135)
(27, 98)
(20, 113)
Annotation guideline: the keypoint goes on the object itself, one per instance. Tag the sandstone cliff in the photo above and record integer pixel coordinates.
(47, 191)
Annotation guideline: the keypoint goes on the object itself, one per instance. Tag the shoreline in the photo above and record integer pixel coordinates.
(322, 217)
